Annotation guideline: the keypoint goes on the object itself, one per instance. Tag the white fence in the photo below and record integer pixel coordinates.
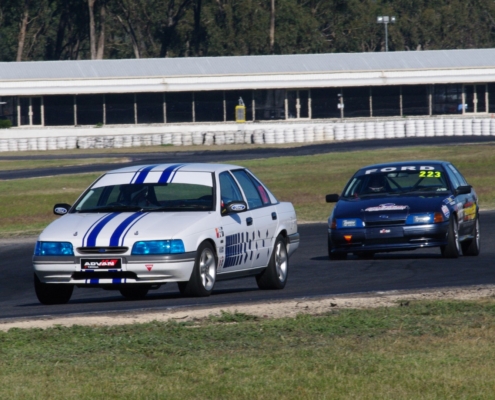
(53, 139)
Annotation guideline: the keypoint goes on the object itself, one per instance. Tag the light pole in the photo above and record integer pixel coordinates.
(385, 20)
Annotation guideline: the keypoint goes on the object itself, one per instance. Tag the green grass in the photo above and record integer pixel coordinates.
(304, 181)
(428, 350)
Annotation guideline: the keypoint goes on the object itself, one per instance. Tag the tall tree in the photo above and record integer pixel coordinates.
(97, 40)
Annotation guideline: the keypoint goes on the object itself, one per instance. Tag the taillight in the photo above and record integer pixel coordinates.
(334, 224)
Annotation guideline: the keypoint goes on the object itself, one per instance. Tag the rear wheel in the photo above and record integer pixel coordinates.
(49, 294)
(471, 247)
(134, 292)
(204, 273)
(275, 274)
(452, 249)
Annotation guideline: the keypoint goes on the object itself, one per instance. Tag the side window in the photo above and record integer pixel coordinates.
(254, 196)
(458, 175)
(453, 178)
(229, 191)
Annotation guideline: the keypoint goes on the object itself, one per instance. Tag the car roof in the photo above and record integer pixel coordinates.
(184, 167)
(402, 163)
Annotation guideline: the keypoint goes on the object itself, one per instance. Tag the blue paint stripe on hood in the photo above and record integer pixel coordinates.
(164, 178)
(114, 239)
(98, 228)
(91, 227)
(130, 227)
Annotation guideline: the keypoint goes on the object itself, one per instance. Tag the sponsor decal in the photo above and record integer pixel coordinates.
(103, 263)
(430, 174)
(386, 207)
(469, 211)
(148, 266)
(445, 211)
(449, 200)
(219, 232)
(237, 207)
(382, 231)
(61, 210)
(401, 168)
(221, 249)
(349, 223)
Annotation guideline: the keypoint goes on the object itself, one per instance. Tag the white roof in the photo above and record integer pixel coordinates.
(247, 72)
(184, 167)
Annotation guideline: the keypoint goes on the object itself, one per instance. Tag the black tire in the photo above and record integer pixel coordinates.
(335, 256)
(452, 249)
(472, 247)
(134, 292)
(49, 294)
(275, 275)
(204, 273)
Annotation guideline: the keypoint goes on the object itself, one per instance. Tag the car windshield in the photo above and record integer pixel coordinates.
(396, 183)
(147, 197)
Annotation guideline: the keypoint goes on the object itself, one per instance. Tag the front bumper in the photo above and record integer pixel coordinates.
(135, 270)
(388, 238)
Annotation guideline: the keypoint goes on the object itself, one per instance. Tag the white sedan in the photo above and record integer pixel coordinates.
(137, 228)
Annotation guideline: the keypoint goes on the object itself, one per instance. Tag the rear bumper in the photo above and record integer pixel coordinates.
(135, 270)
(386, 239)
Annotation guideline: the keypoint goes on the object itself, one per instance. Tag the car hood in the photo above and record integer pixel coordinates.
(123, 228)
(388, 207)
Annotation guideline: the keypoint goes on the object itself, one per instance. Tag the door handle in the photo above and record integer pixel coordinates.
(249, 221)
(274, 216)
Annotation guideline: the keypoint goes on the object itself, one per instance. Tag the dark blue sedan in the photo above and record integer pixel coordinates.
(405, 206)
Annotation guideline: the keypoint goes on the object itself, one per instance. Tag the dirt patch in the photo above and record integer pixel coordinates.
(274, 309)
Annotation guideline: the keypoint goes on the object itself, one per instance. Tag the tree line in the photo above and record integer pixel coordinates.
(114, 29)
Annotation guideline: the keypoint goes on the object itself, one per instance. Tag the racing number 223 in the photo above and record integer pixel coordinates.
(429, 174)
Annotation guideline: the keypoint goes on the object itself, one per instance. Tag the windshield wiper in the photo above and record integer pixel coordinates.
(112, 208)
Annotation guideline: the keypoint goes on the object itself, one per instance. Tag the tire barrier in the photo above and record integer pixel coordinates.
(296, 133)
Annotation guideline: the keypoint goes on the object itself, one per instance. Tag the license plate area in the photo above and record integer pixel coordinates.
(385, 233)
(88, 264)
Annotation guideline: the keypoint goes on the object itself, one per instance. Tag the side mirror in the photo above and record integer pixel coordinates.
(61, 208)
(332, 198)
(235, 207)
(463, 189)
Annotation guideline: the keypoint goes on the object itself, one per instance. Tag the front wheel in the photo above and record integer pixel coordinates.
(452, 249)
(50, 294)
(275, 274)
(472, 246)
(204, 273)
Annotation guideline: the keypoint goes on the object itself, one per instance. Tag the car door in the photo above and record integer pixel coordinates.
(235, 232)
(264, 214)
(466, 204)
(469, 205)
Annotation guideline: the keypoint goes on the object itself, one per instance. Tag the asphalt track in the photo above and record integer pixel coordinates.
(226, 155)
(311, 274)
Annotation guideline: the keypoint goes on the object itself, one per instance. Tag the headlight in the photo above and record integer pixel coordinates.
(349, 223)
(175, 246)
(53, 249)
(429, 218)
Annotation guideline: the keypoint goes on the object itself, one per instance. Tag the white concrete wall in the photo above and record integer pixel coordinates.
(276, 132)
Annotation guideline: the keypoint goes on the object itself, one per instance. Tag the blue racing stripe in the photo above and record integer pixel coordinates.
(91, 227)
(130, 226)
(143, 174)
(114, 239)
(91, 242)
(168, 171)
